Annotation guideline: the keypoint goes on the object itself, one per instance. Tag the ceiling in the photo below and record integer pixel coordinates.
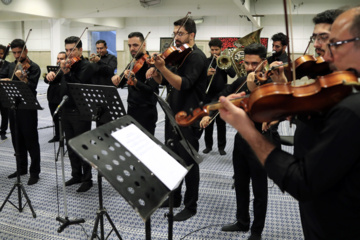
(113, 12)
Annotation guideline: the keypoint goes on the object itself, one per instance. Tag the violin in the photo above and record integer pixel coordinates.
(135, 67)
(276, 101)
(306, 65)
(71, 61)
(23, 66)
(173, 56)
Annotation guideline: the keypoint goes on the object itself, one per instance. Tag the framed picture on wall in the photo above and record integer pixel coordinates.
(228, 42)
(165, 43)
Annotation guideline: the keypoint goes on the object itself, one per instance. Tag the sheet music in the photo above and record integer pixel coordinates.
(164, 166)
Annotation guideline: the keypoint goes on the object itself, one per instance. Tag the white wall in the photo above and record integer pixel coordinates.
(226, 26)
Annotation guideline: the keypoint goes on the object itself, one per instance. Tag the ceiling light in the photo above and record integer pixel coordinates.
(199, 20)
(149, 3)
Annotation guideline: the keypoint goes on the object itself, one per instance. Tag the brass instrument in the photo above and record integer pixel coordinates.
(237, 56)
(92, 57)
(224, 60)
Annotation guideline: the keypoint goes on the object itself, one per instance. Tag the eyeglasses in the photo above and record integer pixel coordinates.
(339, 43)
(321, 37)
(180, 34)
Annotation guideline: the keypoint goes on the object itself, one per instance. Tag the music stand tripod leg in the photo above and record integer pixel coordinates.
(18, 183)
(100, 216)
(65, 221)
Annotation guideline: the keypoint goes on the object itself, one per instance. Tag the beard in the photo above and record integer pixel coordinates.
(277, 54)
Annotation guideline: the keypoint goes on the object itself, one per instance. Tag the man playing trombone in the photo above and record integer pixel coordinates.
(216, 81)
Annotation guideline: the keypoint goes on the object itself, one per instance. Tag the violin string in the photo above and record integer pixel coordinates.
(22, 51)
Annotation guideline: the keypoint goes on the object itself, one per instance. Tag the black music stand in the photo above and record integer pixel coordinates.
(186, 145)
(101, 104)
(17, 95)
(122, 167)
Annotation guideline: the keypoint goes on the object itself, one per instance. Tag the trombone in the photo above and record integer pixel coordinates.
(223, 62)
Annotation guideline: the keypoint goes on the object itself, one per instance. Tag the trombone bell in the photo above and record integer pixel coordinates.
(223, 62)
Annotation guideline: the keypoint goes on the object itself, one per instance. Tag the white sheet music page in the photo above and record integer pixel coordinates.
(164, 166)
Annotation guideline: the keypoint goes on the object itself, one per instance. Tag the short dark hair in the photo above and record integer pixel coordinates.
(17, 43)
(73, 39)
(2, 47)
(256, 49)
(327, 16)
(137, 34)
(189, 26)
(280, 37)
(101, 41)
(215, 43)
(62, 52)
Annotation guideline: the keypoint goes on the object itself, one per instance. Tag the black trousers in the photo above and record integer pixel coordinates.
(73, 125)
(28, 140)
(4, 119)
(221, 133)
(146, 116)
(246, 166)
(52, 107)
(192, 178)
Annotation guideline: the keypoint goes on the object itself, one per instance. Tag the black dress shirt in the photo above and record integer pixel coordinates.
(33, 75)
(104, 70)
(283, 58)
(219, 80)
(80, 72)
(193, 83)
(4, 70)
(142, 94)
(328, 175)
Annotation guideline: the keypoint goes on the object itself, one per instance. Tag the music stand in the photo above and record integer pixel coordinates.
(111, 149)
(17, 95)
(186, 145)
(101, 103)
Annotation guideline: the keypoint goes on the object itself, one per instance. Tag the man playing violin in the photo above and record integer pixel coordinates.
(327, 176)
(141, 98)
(245, 163)
(308, 128)
(78, 70)
(25, 70)
(321, 32)
(104, 64)
(4, 111)
(53, 95)
(187, 84)
(216, 82)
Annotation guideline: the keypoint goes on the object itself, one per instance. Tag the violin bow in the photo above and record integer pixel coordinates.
(237, 91)
(72, 50)
(187, 18)
(22, 51)
(292, 45)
